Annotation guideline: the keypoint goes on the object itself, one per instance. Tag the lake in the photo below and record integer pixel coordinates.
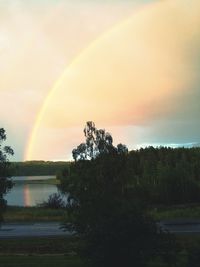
(27, 193)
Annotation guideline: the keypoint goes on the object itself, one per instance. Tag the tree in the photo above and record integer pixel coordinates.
(97, 142)
(104, 209)
(5, 181)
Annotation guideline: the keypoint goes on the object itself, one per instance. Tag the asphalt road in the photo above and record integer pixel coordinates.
(42, 229)
(52, 229)
(181, 226)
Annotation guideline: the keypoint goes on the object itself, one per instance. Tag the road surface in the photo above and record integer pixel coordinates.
(181, 226)
(52, 229)
(42, 229)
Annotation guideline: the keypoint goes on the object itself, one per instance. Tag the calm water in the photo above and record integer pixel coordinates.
(26, 194)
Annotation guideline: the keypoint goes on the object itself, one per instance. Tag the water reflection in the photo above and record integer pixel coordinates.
(27, 199)
(27, 194)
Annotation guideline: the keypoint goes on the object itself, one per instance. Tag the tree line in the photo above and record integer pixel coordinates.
(160, 176)
(165, 175)
(29, 168)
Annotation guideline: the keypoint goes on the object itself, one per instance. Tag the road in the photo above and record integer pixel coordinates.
(181, 226)
(42, 229)
(52, 229)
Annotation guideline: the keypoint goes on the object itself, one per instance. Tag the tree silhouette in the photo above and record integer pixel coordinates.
(105, 210)
(5, 181)
(97, 142)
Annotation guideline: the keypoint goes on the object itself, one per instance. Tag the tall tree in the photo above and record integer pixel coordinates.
(104, 209)
(97, 141)
(5, 181)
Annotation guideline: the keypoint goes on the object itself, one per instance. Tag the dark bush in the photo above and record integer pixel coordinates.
(55, 201)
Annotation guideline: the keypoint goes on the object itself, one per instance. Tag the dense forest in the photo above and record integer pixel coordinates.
(163, 175)
(166, 175)
(37, 167)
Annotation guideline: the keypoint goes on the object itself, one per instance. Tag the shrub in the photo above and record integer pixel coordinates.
(55, 201)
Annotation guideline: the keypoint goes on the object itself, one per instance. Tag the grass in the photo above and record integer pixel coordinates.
(41, 261)
(34, 214)
(59, 251)
(39, 214)
(39, 245)
(37, 251)
(175, 212)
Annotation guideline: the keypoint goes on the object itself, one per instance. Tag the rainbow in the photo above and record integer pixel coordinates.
(32, 137)
(28, 155)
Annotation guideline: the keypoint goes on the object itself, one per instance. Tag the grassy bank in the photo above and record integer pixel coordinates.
(52, 181)
(43, 252)
(39, 245)
(60, 251)
(41, 261)
(176, 212)
(36, 214)
(23, 214)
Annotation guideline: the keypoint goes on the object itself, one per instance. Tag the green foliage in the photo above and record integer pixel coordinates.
(34, 214)
(166, 175)
(162, 175)
(55, 201)
(58, 245)
(5, 182)
(189, 251)
(97, 142)
(42, 261)
(107, 208)
(175, 212)
(39, 251)
(38, 168)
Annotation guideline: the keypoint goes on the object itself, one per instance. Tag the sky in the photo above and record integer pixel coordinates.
(130, 66)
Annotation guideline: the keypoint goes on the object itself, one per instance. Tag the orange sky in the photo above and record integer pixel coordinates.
(135, 74)
(38, 39)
